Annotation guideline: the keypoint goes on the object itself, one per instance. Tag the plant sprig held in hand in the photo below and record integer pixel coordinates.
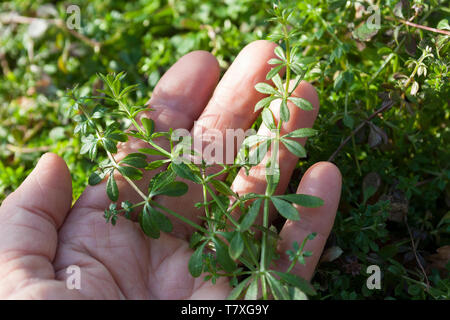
(222, 246)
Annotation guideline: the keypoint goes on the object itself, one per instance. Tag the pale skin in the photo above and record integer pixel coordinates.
(41, 234)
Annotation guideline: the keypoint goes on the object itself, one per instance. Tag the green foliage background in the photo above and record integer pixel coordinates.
(396, 166)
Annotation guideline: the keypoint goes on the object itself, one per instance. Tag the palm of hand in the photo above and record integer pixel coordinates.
(121, 262)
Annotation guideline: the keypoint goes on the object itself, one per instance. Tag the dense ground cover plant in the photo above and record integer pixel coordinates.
(382, 92)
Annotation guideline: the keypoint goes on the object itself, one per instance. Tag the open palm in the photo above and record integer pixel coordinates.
(41, 236)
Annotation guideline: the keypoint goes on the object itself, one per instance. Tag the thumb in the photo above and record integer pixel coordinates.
(29, 220)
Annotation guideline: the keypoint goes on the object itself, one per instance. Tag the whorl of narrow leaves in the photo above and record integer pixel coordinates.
(111, 187)
(285, 209)
(226, 241)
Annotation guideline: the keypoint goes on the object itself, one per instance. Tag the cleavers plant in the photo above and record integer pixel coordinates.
(223, 246)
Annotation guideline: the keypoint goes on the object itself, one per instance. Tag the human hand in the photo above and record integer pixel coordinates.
(41, 236)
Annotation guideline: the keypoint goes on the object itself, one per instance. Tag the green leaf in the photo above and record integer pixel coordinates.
(277, 81)
(103, 77)
(304, 200)
(297, 68)
(275, 37)
(267, 117)
(117, 136)
(443, 25)
(280, 53)
(250, 216)
(222, 187)
(236, 292)
(257, 154)
(148, 124)
(301, 103)
(294, 51)
(223, 257)
(151, 151)
(98, 112)
(155, 164)
(263, 103)
(306, 60)
(310, 236)
(368, 192)
(364, 32)
(348, 121)
(272, 176)
(110, 145)
(297, 282)
(284, 111)
(265, 88)
(137, 160)
(273, 72)
(160, 220)
(160, 134)
(348, 77)
(297, 81)
(195, 239)
(111, 187)
(236, 246)
(278, 290)
(275, 61)
(172, 189)
(130, 172)
(294, 147)
(254, 139)
(148, 224)
(301, 133)
(338, 81)
(252, 291)
(128, 207)
(184, 171)
(161, 179)
(195, 264)
(286, 209)
(115, 87)
(110, 214)
(128, 90)
(296, 294)
(95, 178)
